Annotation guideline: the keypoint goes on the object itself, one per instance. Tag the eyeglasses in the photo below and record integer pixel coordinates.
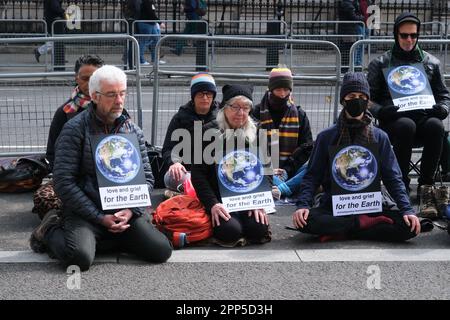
(236, 109)
(114, 95)
(406, 35)
(207, 94)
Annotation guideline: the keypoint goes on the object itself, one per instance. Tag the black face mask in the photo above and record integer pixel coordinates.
(355, 107)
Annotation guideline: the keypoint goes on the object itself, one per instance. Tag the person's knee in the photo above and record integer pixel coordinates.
(228, 231)
(81, 257)
(403, 128)
(434, 128)
(162, 253)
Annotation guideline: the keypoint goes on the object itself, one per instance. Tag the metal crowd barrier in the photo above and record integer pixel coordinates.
(273, 29)
(326, 31)
(20, 28)
(316, 94)
(176, 49)
(28, 101)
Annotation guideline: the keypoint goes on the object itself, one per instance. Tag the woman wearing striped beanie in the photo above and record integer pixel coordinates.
(277, 111)
(201, 107)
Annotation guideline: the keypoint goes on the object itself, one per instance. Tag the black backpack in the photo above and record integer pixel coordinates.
(22, 174)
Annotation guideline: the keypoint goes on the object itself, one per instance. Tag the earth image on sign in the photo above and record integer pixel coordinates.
(354, 168)
(407, 80)
(117, 159)
(240, 171)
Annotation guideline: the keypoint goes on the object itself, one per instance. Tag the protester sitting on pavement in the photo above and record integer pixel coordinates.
(72, 239)
(202, 107)
(234, 125)
(354, 127)
(277, 111)
(45, 197)
(419, 127)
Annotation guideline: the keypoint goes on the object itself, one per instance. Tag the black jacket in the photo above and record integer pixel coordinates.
(59, 120)
(74, 173)
(379, 91)
(184, 119)
(304, 144)
(52, 11)
(349, 10)
(148, 10)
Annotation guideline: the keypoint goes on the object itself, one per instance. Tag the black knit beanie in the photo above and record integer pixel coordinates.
(233, 90)
(354, 82)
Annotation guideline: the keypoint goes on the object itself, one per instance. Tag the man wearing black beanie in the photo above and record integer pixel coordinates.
(418, 127)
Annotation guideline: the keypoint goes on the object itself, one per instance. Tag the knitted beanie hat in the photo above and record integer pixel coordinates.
(280, 78)
(354, 82)
(233, 90)
(202, 82)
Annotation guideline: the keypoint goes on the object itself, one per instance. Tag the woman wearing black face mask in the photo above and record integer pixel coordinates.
(278, 111)
(354, 127)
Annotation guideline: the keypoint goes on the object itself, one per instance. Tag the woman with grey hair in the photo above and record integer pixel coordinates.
(232, 122)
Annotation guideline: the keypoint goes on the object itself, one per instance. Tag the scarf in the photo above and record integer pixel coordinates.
(77, 100)
(352, 131)
(288, 128)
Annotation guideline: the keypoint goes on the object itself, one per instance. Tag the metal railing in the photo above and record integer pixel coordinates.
(171, 88)
(29, 100)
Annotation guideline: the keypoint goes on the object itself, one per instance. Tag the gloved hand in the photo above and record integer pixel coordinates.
(439, 111)
(388, 113)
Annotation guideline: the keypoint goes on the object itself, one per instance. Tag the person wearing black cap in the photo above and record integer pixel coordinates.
(202, 107)
(277, 111)
(420, 127)
(232, 123)
(354, 127)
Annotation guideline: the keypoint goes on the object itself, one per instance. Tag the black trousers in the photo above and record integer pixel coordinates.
(75, 242)
(405, 133)
(240, 225)
(322, 222)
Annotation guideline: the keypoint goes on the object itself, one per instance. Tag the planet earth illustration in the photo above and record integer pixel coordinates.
(117, 159)
(240, 171)
(407, 80)
(354, 168)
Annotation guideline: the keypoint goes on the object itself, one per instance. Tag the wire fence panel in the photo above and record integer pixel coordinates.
(171, 89)
(28, 101)
(322, 60)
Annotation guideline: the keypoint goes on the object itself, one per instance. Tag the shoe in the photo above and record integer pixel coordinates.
(145, 63)
(276, 193)
(50, 220)
(37, 55)
(441, 196)
(169, 193)
(241, 242)
(427, 207)
(162, 62)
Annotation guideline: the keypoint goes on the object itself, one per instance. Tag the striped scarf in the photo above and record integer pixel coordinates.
(288, 129)
(77, 100)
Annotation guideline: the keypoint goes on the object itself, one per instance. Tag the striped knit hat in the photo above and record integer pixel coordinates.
(203, 82)
(280, 78)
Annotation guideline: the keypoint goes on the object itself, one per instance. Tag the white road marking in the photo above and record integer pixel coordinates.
(242, 255)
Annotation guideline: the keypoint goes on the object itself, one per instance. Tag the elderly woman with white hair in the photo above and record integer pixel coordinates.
(232, 122)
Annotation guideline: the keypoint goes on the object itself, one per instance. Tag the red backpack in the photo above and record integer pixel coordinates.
(183, 219)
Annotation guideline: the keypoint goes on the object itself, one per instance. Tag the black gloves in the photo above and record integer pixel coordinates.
(388, 113)
(439, 111)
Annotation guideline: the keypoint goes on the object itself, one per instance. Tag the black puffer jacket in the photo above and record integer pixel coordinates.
(379, 91)
(184, 119)
(74, 169)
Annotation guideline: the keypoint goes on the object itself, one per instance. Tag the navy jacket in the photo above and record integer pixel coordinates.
(320, 165)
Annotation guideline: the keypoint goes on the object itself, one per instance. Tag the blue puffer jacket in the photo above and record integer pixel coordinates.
(74, 169)
(320, 166)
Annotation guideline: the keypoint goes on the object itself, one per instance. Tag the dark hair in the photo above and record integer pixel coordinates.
(88, 60)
